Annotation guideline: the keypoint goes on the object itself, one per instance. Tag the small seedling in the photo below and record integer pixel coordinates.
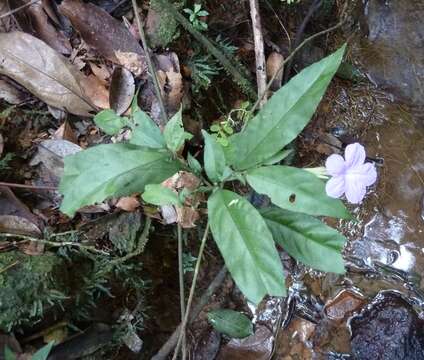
(195, 17)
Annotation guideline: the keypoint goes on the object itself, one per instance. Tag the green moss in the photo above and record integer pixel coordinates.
(167, 26)
(29, 284)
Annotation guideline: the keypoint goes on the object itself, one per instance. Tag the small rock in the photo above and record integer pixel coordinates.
(208, 346)
(389, 329)
(343, 305)
(255, 347)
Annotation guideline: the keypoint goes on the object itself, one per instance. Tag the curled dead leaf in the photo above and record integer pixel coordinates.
(65, 132)
(169, 75)
(18, 225)
(122, 89)
(273, 63)
(34, 20)
(10, 93)
(42, 71)
(108, 36)
(187, 216)
(95, 90)
(128, 203)
(182, 179)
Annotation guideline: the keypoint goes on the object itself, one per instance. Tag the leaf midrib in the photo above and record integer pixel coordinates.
(248, 249)
(300, 233)
(276, 125)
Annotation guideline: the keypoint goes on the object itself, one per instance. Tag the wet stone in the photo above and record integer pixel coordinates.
(393, 55)
(255, 347)
(388, 330)
(343, 305)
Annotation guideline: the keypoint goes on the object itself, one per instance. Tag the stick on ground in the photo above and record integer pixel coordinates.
(259, 50)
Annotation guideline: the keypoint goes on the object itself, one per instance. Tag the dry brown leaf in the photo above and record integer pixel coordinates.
(108, 36)
(122, 89)
(101, 71)
(34, 20)
(182, 179)
(95, 91)
(171, 81)
(273, 63)
(10, 205)
(32, 248)
(132, 61)
(65, 132)
(43, 72)
(186, 216)
(5, 23)
(18, 225)
(128, 203)
(10, 93)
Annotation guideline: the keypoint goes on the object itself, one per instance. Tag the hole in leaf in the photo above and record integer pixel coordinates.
(292, 198)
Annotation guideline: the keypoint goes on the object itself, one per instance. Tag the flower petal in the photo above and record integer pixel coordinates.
(354, 155)
(366, 173)
(335, 187)
(335, 165)
(355, 189)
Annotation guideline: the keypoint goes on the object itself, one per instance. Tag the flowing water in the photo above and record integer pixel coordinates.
(375, 310)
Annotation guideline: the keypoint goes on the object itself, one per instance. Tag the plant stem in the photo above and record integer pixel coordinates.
(150, 63)
(11, 12)
(53, 243)
(304, 42)
(166, 348)
(191, 295)
(259, 49)
(24, 186)
(181, 280)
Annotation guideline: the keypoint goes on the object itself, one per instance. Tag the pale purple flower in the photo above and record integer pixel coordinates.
(350, 175)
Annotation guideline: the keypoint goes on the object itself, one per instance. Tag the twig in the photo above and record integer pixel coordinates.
(181, 281)
(280, 22)
(150, 63)
(191, 295)
(142, 241)
(53, 243)
(166, 348)
(11, 12)
(9, 266)
(299, 34)
(259, 49)
(24, 186)
(304, 42)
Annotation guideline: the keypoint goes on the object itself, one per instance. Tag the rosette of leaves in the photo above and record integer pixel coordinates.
(246, 237)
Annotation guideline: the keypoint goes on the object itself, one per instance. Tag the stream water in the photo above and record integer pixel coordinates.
(375, 310)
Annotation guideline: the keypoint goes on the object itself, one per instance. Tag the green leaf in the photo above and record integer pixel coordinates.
(231, 323)
(246, 245)
(194, 164)
(174, 133)
(215, 128)
(295, 190)
(43, 353)
(9, 354)
(160, 195)
(93, 175)
(214, 158)
(307, 239)
(281, 155)
(284, 116)
(146, 132)
(110, 122)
